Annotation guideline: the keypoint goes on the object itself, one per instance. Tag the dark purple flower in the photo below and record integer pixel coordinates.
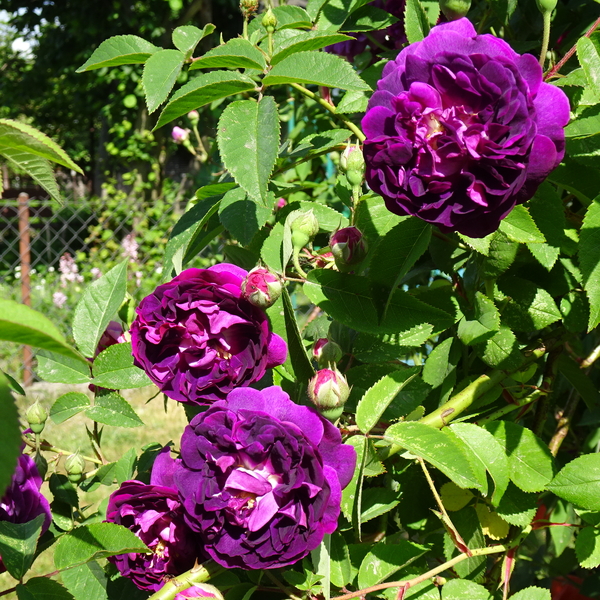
(262, 478)
(200, 590)
(154, 513)
(461, 129)
(22, 501)
(197, 338)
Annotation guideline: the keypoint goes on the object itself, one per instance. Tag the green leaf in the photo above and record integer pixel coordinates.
(86, 582)
(520, 227)
(203, 90)
(397, 252)
(234, 54)
(56, 368)
(377, 502)
(100, 301)
(530, 463)
(467, 523)
(589, 59)
(119, 50)
(36, 167)
(18, 542)
(112, 409)
(24, 137)
(378, 397)
(416, 24)
(436, 448)
(42, 588)
(438, 365)
(113, 369)
(305, 41)
(530, 308)
(350, 300)
(517, 507)
(532, 593)
(248, 139)
(340, 565)
(317, 68)
(587, 547)
(160, 74)
(481, 245)
(10, 434)
(63, 490)
(489, 453)
(481, 323)
(186, 37)
(351, 494)
(575, 311)
(301, 364)
(125, 466)
(368, 18)
(577, 179)
(579, 482)
(241, 216)
(23, 325)
(370, 348)
(68, 405)
(460, 589)
(13, 384)
(330, 220)
(501, 351)
(313, 7)
(287, 17)
(501, 255)
(589, 260)
(586, 123)
(579, 380)
(90, 542)
(271, 249)
(319, 142)
(186, 231)
(386, 559)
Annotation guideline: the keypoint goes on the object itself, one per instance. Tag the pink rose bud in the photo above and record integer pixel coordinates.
(328, 390)
(348, 247)
(352, 163)
(261, 287)
(179, 134)
(280, 203)
(327, 352)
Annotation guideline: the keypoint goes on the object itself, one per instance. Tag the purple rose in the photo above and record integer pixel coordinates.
(461, 129)
(200, 590)
(154, 513)
(22, 501)
(197, 338)
(261, 478)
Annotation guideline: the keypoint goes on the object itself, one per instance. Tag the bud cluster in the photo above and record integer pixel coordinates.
(248, 8)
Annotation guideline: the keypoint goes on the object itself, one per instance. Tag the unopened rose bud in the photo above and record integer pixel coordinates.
(353, 163)
(329, 390)
(261, 287)
(179, 134)
(75, 467)
(304, 226)
(280, 203)
(327, 352)
(546, 6)
(199, 590)
(348, 247)
(194, 117)
(248, 7)
(457, 9)
(269, 21)
(36, 416)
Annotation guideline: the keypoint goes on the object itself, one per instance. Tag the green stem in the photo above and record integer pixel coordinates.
(245, 28)
(296, 261)
(47, 447)
(271, 44)
(510, 407)
(331, 108)
(546, 38)
(197, 574)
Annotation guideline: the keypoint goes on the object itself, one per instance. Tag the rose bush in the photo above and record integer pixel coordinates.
(197, 338)
(462, 128)
(261, 478)
(154, 513)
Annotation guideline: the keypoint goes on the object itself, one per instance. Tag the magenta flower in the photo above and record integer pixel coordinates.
(461, 129)
(262, 478)
(198, 339)
(154, 513)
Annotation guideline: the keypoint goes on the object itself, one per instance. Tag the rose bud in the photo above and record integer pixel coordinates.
(328, 390)
(455, 9)
(75, 467)
(199, 590)
(546, 6)
(269, 20)
(348, 247)
(179, 134)
(194, 117)
(327, 352)
(36, 416)
(304, 226)
(248, 7)
(352, 163)
(261, 287)
(280, 203)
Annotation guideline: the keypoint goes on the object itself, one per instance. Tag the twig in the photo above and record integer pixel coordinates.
(47, 447)
(564, 423)
(591, 359)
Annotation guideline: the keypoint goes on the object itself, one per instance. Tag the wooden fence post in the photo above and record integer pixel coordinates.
(25, 259)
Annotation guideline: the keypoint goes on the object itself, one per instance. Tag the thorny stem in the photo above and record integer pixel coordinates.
(564, 423)
(47, 447)
(546, 38)
(331, 108)
(197, 574)
(432, 573)
(558, 66)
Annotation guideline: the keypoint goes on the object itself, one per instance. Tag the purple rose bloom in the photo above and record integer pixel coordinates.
(261, 478)
(461, 129)
(22, 501)
(197, 338)
(154, 513)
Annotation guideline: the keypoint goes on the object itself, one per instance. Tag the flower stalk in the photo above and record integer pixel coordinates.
(197, 574)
